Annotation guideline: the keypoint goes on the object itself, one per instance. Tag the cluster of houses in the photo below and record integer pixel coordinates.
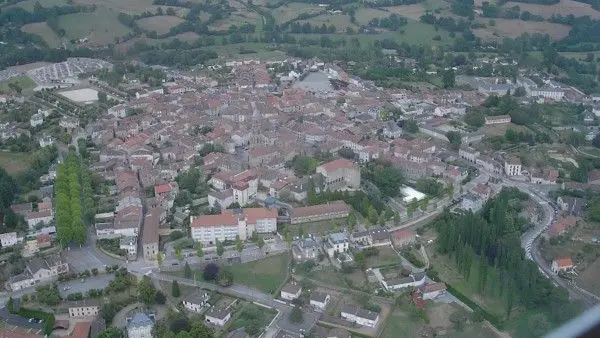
(509, 165)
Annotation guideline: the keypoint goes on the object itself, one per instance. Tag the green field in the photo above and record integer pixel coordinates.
(252, 314)
(100, 27)
(291, 11)
(41, 29)
(364, 15)
(14, 162)
(447, 271)
(23, 81)
(387, 256)
(400, 325)
(266, 274)
(340, 21)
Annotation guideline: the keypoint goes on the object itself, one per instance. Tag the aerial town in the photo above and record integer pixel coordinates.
(291, 199)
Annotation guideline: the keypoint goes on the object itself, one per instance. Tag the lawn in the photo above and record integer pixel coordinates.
(14, 162)
(100, 27)
(42, 30)
(266, 274)
(23, 81)
(400, 325)
(387, 256)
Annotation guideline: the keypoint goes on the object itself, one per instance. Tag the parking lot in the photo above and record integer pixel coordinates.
(75, 286)
(81, 259)
(10, 319)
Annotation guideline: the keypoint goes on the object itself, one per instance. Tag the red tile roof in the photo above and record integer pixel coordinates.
(403, 234)
(564, 262)
(226, 218)
(338, 164)
(562, 224)
(162, 188)
(321, 209)
(81, 330)
(254, 214)
(434, 287)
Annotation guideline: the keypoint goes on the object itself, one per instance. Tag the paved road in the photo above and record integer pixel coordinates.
(250, 294)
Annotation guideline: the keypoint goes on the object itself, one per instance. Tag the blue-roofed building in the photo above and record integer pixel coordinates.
(140, 326)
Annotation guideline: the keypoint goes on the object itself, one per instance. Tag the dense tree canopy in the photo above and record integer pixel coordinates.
(490, 241)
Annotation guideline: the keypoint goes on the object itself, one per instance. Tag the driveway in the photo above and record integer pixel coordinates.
(94, 282)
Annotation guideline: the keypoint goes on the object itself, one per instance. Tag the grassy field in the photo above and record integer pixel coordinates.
(413, 33)
(340, 21)
(410, 11)
(23, 81)
(515, 28)
(448, 273)
(237, 18)
(291, 11)
(41, 29)
(266, 274)
(28, 4)
(253, 313)
(161, 24)
(386, 256)
(564, 8)
(101, 26)
(14, 162)
(588, 279)
(364, 15)
(400, 325)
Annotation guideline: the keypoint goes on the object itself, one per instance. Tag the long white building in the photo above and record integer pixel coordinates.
(232, 223)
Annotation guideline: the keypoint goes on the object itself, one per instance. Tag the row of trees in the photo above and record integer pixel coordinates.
(70, 225)
(488, 244)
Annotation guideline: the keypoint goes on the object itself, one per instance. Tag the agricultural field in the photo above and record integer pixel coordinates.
(413, 33)
(515, 28)
(364, 15)
(340, 21)
(14, 163)
(410, 11)
(41, 29)
(160, 24)
(100, 27)
(291, 11)
(564, 8)
(28, 4)
(23, 81)
(236, 18)
(129, 6)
